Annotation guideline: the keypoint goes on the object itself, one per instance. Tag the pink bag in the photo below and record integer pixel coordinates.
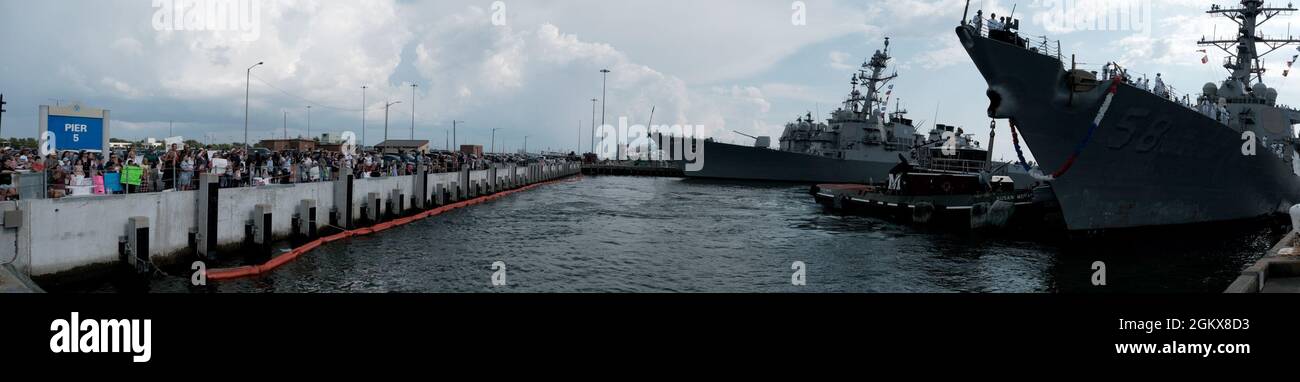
(99, 185)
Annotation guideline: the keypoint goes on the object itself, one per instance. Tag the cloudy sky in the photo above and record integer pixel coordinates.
(725, 64)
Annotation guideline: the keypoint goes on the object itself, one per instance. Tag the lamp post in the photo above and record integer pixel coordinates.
(593, 125)
(285, 125)
(525, 145)
(2, 107)
(413, 86)
(453, 132)
(604, 73)
(493, 147)
(308, 121)
(389, 105)
(248, 75)
(363, 118)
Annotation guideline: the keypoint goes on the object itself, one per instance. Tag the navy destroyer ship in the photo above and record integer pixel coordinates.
(1124, 155)
(860, 142)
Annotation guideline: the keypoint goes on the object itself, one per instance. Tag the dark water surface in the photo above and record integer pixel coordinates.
(633, 234)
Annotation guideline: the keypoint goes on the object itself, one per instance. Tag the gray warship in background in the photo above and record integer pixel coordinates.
(860, 143)
(1153, 160)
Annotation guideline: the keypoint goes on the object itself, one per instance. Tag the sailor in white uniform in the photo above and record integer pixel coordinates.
(1160, 87)
(994, 24)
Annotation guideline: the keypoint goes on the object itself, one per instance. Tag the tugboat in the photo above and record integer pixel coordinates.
(952, 186)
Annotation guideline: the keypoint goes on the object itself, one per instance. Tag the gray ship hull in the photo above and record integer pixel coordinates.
(727, 161)
(1152, 162)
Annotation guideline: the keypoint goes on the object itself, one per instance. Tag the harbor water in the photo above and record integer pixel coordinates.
(641, 234)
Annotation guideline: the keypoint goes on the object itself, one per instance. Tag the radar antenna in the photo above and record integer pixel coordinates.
(1244, 64)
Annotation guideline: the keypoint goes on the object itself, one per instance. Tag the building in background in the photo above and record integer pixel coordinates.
(475, 150)
(299, 144)
(331, 139)
(394, 146)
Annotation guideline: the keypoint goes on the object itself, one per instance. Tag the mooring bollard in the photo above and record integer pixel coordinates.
(136, 253)
(205, 238)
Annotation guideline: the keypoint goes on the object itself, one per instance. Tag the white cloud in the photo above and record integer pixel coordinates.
(840, 61)
(949, 53)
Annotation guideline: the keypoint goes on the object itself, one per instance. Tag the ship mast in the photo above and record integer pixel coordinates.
(1244, 64)
(872, 76)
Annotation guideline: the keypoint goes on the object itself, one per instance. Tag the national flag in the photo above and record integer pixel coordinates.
(1205, 59)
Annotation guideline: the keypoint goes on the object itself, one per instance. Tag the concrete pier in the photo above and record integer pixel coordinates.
(63, 237)
(1277, 272)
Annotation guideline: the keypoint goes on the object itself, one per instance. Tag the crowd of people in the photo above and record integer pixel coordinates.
(131, 171)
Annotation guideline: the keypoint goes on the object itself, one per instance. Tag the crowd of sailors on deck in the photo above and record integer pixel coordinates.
(90, 173)
(1110, 70)
(994, 22)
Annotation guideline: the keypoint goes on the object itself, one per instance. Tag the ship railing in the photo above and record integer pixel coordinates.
(957, 165)
(1038, 44)
(1048, 47)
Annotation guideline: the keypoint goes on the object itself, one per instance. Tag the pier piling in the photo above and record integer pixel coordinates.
(136, 253)
(261, 231)
(341, 214)
(373, 208)
(307, 219)
(396, 204)
(205, 236)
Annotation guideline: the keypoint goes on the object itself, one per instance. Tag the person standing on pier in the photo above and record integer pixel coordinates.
(169, 163)
(187, 172)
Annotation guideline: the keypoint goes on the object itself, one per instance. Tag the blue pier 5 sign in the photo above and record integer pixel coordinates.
(77, 133)
(75, 127)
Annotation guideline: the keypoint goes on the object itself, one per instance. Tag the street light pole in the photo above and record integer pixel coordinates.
(413, 86)
(285, 125)
(363, 118)
(453, 132)
(309, 122)
(493, 147)
(248, 75)
(525, 145)
(1, 108)
(603, 74)
(390, 104)
(593, 125)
